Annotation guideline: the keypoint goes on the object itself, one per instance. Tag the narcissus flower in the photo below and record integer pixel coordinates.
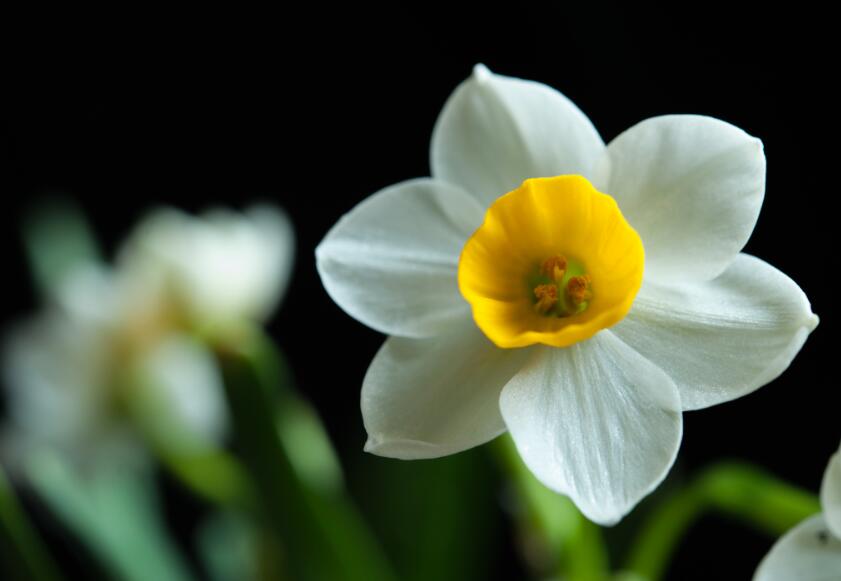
(126, 336)
(811, 551)
(578, 295)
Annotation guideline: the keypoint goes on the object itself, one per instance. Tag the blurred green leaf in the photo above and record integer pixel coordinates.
(19, 541)
(225, 548)
(306, 443)
(57, 240)
(436, 517)
(323, 533)
(229, 547)
(214, 475)
(114, 510)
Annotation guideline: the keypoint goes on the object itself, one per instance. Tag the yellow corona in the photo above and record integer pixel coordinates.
(554, 262)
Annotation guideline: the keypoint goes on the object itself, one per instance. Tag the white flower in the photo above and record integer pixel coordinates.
(110, 335)
(225, 265)
(811, 551)
(599, 419)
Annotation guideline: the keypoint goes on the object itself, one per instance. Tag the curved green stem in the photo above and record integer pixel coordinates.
(736, 489)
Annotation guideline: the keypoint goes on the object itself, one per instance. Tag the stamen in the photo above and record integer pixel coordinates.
(554, 267)
(578, 289)
(547, 297)
(562, 287)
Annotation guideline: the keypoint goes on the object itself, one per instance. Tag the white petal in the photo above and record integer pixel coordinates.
(425, 398)
(181, 391)
(257, 266)
(724, 338)
(831, 494)
(494, 132)
(391, 262)
(691, 186)
(595, 421)
(87, 295)
(221, 265)
(56, 371)
(808, 552)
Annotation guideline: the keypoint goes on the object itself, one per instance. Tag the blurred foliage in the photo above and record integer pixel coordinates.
(115, 510)
(56, 239)
(323, 534)
(24, 555)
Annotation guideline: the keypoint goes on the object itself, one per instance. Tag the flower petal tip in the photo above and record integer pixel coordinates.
(605, 521)
(481, 73)
(388, 448)
(403, 448)
(812, 322)
(371, 446)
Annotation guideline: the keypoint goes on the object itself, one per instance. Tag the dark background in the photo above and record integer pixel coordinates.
(315, 116)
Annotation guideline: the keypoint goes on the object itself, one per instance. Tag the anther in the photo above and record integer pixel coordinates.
(547, 297)
(554, 267)
(578, 289)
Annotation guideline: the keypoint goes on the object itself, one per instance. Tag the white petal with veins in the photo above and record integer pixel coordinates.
(724, 338)
(595, 421)
(496, 131)
(691, 186)
(391, 261)
(424, 398)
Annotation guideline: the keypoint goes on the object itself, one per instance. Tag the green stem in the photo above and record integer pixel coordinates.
(19, 541)
(660, 534)
(735, 489)
(562, 540)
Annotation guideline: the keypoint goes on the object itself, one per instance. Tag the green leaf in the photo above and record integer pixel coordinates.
(227, 544)
(324, 536)
(19, 541)
(437, 518)
(306, 443)
(114, 510)
(57, 241)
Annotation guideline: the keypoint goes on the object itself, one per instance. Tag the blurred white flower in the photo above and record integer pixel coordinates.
(811, 551)
(225, 265)
(595, 412)
(112, 338)
(56, 369)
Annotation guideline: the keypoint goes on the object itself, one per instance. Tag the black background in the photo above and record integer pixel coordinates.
(316, 114)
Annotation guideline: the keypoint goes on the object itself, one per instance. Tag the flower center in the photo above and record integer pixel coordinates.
(554, 262)
(561, 287)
